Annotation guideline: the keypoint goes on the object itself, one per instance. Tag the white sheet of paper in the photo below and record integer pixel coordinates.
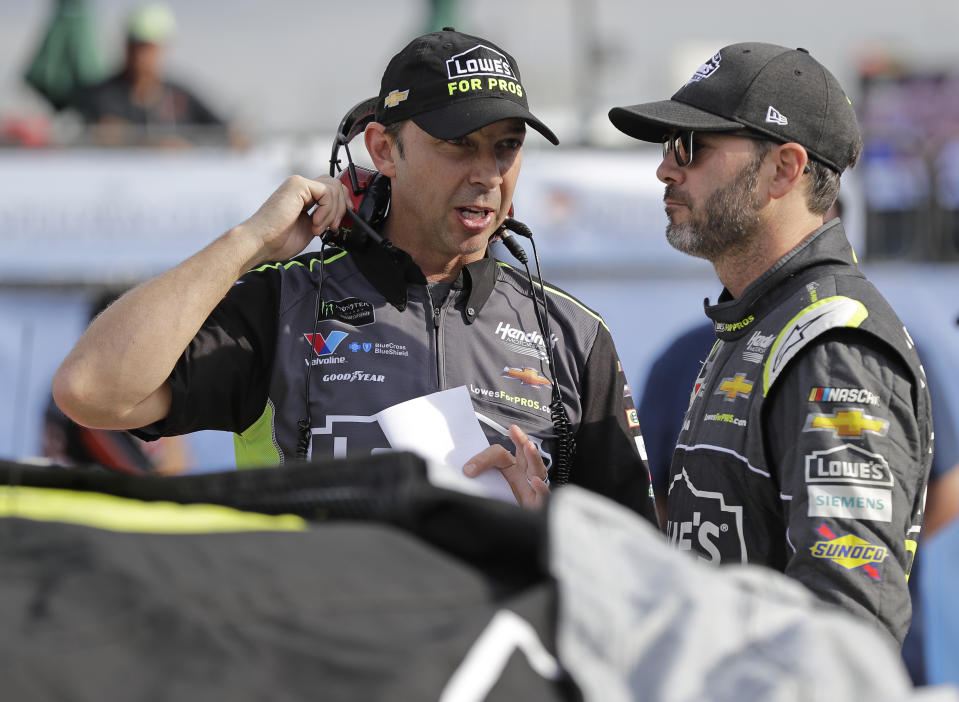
(443, 429)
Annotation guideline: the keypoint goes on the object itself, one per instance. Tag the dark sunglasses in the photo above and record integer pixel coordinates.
(681, 144)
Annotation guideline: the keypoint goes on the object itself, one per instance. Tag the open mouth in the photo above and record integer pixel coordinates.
(475, 217)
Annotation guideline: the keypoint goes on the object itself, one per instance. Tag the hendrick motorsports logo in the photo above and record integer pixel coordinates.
(526, 343)
(757, 346)
(849, 551)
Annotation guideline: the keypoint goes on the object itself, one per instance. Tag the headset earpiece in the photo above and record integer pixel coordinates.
(369, 193)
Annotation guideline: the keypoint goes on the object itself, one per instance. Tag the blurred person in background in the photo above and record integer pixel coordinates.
(807, 443)
(942, 507)
(140, 105)
(296, 358)
(67, 443)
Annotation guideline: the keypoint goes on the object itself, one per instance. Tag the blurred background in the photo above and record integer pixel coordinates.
(91, 204)
(130, 137)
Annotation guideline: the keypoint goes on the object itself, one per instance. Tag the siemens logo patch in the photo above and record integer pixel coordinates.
(850, 502)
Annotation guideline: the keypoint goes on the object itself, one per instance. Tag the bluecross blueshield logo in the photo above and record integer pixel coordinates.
(326, 347)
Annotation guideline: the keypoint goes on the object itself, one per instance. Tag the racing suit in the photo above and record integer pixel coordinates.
(808, 439)
(373, 337)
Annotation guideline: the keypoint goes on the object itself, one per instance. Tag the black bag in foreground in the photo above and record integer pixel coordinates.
(358, 580)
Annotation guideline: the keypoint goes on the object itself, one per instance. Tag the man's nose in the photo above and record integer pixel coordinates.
(669, 171)
(485, 169)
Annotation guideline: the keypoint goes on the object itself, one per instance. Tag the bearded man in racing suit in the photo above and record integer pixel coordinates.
(807, 443)
(297, 358)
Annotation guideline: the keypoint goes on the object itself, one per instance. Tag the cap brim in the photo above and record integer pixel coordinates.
(654, 121)
(465, 116)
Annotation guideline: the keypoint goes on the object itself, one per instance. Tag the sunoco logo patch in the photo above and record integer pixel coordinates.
(849, 551)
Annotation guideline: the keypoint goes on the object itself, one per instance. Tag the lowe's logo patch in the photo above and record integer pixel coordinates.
(848, 465)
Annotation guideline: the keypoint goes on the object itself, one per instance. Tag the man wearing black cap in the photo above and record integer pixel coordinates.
(807, 443)
(297, 358)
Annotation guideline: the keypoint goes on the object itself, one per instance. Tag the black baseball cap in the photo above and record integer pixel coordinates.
(451, 84)
(784, 94)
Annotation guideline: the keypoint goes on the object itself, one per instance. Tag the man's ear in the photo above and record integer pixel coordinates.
(790, 160)
(380, 147)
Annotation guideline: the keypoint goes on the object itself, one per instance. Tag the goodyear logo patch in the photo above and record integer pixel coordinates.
(849, 551)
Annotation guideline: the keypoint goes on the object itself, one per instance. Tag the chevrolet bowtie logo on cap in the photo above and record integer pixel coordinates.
(395, 98)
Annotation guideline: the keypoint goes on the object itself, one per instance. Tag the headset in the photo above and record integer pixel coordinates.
(369, 193)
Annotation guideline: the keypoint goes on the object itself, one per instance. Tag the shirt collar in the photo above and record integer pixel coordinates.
(391, 270)
(825, 246)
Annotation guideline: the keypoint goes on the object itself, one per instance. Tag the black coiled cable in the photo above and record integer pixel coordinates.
(562, 427)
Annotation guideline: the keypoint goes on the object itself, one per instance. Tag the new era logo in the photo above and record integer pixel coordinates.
(776, 117)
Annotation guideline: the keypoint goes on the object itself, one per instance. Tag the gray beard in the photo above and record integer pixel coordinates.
(727, 223)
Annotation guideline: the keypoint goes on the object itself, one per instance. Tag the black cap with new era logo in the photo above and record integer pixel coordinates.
(782, 93)
(451, 84)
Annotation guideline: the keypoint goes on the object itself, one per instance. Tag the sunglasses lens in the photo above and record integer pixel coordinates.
(682, 147)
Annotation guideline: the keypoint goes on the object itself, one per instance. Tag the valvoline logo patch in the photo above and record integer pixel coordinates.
(325, 347)
(849, 551)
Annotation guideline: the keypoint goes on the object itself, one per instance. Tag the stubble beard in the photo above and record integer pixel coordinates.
(726, 223)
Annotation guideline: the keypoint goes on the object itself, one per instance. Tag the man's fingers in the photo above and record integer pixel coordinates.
(534, 462)
(330, 196)
(494, 456)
